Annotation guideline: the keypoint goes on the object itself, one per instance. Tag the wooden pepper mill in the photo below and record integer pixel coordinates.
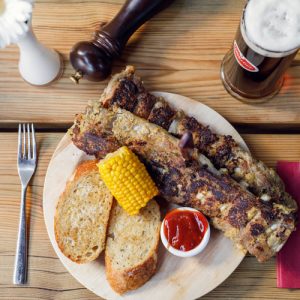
(93, 59)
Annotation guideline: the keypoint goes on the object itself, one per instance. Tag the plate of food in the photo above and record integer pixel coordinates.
(115, 182)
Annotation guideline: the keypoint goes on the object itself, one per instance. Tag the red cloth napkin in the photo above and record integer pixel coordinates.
(288, 259)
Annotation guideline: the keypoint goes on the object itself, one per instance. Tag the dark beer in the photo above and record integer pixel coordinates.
(251, 73)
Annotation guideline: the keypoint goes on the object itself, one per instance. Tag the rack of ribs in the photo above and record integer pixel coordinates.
(254, 225)
(126, 90)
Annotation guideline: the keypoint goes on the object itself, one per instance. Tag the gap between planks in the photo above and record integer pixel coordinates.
(241, 128)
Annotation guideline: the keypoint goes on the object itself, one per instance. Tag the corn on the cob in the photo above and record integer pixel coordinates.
(127, 179)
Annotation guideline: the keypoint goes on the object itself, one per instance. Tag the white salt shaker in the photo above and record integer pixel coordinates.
(38, 65)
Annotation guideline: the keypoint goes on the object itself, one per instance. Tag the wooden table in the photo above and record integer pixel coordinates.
(180, 52)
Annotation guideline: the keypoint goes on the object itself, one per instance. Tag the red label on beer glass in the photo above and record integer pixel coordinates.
(242, 60)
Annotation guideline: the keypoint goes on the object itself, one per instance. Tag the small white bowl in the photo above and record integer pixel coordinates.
(192, 252)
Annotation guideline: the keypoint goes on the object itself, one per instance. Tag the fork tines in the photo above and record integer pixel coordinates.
(26, 150)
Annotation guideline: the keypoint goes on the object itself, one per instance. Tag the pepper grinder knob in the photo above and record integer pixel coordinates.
(76, 77)
(93, 59)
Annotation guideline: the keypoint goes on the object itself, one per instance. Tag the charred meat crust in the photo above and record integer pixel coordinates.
(202, 135)
(94, 142)
(258, 227)
(162, 115)
(145, 103)
(125, 95)
(223, 151)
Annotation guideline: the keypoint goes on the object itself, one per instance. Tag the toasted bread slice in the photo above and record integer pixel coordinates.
(131, 247)
(82, 215)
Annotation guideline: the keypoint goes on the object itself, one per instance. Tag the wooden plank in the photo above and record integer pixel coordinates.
(47, 277)
(272, 148)
(179, 51)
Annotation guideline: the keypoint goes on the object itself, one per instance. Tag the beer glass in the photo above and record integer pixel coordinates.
(252, 71)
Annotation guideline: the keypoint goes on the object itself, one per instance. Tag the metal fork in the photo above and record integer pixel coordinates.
(26, 168)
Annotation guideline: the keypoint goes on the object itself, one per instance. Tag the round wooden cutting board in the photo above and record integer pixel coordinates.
(176, 278)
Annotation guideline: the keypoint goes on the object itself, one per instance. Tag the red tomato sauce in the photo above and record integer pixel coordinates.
(184, 229)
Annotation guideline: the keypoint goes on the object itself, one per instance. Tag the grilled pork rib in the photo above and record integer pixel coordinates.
(253, 225)
(127, 91)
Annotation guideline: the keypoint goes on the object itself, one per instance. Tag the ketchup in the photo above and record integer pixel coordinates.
(184, 229)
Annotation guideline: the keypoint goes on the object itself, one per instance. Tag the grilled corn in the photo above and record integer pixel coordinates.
(127, 179)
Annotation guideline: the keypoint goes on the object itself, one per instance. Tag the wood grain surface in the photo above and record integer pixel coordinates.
(48, 279)
(178, 51)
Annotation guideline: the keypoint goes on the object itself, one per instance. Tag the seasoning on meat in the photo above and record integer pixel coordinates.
(254, 226)
(222, 151)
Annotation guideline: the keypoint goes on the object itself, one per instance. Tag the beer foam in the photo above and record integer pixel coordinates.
(273, 25)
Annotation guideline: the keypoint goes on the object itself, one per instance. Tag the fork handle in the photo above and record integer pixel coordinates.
(20, 270)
